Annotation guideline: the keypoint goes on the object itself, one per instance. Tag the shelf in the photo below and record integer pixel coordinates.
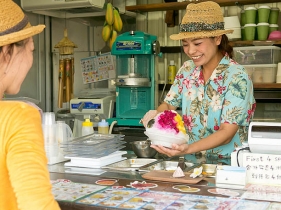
(250, 43)
(182, 5)
(267, 86)
(178, 49)
(263, 92)
(257, 86)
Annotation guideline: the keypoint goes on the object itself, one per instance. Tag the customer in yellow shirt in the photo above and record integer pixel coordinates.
(24, 177)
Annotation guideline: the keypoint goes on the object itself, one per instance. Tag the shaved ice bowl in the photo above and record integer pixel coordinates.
(166, 140)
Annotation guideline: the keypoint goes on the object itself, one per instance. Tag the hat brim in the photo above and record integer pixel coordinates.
(200, 34)
(21, 35)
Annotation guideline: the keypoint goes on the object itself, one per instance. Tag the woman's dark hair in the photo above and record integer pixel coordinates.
(225, 47)
(11, 46)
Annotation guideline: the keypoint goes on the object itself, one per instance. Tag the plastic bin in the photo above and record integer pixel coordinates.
(265, 73)
(257, 55)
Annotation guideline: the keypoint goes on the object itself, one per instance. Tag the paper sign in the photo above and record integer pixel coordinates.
(98, 68)
(263, 168)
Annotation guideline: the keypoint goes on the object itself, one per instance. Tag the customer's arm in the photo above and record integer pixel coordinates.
(26, 159)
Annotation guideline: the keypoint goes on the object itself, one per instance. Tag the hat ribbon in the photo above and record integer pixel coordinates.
(17, 27)
(197, 27)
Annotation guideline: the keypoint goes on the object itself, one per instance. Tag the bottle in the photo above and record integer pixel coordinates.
(87, 127)
(103, 127)
(171, 72)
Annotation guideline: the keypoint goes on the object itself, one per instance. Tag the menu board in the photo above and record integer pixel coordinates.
(133, 198)
(71, 191)
(263, 168)
(97, 68)
(263, 192)
(128, 198)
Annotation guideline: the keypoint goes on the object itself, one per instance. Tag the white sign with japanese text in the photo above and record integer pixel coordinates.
(263, 168)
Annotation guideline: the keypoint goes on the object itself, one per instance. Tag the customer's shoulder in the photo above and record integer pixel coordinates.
(15, 106)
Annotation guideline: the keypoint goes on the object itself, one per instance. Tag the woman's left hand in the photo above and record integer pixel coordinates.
(174, 151)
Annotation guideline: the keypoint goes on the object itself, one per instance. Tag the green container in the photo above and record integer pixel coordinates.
(262, 31)
(242, 18)
(273, 27)
(251, 13)
(263, 14)
(273, 16)
(250, 31)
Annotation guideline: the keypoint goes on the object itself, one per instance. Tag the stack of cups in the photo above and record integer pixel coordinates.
(273, 19)
(49, 132)
(259, 23)
(250, 23)
(278, 76)
(263, 25)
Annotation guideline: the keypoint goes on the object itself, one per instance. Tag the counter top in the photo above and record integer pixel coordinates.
(125, 178)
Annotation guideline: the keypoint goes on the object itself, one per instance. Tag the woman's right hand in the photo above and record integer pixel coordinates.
(148, 116)
(176, 149)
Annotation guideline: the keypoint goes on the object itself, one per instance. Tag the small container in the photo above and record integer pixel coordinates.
(171, 72)
(87, 127)
(103, 127)
(262, 73)
(257, 55)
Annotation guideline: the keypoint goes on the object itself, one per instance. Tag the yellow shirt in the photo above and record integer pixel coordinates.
(24, 177)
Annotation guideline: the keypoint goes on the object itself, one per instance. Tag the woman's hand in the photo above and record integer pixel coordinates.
(174, 151)
(148, 116)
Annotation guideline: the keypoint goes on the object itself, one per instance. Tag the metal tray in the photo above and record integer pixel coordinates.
(167, 165)
(130, 164)
(93, 145)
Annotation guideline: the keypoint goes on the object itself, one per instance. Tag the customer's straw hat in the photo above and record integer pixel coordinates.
(14, 24)
(201, 20)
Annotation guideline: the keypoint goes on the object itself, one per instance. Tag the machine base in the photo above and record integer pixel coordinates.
(125, 122)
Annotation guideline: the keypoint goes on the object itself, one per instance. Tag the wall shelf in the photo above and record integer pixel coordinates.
(178, 49)
(263, 92)
(182, 5)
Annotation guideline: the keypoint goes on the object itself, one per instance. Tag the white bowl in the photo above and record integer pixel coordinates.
(231, 22)
(236, 34)
(166, 140)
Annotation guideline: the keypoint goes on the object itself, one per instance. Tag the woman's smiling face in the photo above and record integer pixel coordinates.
(202, 51)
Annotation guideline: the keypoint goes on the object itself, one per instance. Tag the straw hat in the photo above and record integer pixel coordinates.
(201, 20)
(14, 24)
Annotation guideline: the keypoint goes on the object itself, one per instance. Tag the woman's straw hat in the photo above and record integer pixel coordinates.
(201, 20)
(14, 24)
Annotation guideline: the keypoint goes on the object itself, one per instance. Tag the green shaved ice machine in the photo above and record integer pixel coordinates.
(135, 76)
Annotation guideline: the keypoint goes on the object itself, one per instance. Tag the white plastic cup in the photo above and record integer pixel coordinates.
(50, 140)
(49, 118)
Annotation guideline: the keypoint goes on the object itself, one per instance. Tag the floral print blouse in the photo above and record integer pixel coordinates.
(227, 97)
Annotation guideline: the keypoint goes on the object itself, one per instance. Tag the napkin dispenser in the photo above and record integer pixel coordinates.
(231, 177)
(265, 137)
